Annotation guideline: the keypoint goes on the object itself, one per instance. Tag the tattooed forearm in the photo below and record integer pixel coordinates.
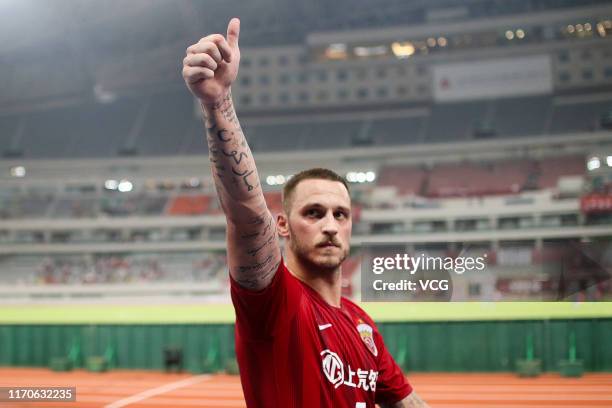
(226, 108)
(213, 153)
(252, 246)
(222, 135)
(237, 156)
(245, 174)
(228, 149)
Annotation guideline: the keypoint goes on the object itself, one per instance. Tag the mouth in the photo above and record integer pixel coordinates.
(328, 245)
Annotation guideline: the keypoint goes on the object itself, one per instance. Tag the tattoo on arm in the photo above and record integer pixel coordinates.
(245, 174)
(260, 219)
(250, 236)
(256, 275)
(260, 249)
(255, 266)
(223, 129)
(267, 227)
(237, 156)
(254, 251)
(254, 254)
(226, 108)
(220, 135)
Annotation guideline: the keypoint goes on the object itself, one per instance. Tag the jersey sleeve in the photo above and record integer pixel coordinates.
(391, 385)
(261, 314)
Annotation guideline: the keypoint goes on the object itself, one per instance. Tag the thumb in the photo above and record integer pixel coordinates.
(233, 32)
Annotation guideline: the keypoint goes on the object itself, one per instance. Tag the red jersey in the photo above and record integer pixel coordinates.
(295, 350)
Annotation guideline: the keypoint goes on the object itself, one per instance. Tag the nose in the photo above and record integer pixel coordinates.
(330, 224)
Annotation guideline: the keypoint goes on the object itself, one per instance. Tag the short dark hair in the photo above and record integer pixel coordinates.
(316, 173)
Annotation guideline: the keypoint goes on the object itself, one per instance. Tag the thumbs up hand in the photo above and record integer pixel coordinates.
(211, 65)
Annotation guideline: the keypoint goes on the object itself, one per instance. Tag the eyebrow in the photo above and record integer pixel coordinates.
(319, 205)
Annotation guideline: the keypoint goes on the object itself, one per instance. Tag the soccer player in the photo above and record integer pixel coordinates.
(298, 342)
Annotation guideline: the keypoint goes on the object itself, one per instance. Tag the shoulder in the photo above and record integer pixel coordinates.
(357, 311)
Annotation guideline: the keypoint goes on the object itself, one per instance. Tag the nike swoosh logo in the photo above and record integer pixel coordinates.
(325, 326)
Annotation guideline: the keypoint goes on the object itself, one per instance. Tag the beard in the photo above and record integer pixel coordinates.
(315, 261)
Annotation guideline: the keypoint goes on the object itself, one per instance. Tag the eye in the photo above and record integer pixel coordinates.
(340, 215)
(313, 212)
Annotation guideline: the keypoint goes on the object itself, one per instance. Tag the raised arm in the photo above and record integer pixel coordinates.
(209, 69)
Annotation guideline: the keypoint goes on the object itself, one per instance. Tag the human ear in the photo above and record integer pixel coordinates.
(282, 225)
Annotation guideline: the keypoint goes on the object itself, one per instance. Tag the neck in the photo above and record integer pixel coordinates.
(326, 283)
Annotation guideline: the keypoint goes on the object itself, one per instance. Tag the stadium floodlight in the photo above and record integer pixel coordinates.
(277, 180)
(336, 51)
(373, 51)
(125, 186)
(442, 42)
(509, 34)
(593, 163)
(111, 184)
(609, 161)
(402, 49)
(18, 171)
(520, 34)
(194, 182)
(360, 176)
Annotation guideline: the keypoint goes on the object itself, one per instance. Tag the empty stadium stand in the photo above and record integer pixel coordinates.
(480, 179)
(164, 125)
(407, 179)
(551, 169)
(189, 205)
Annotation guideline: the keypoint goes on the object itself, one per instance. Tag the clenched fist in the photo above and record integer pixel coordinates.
(211, 65)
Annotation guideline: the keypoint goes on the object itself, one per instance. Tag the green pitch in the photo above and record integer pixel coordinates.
(382, 312)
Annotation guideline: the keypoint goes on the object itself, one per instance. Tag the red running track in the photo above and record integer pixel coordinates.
(147, 389)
